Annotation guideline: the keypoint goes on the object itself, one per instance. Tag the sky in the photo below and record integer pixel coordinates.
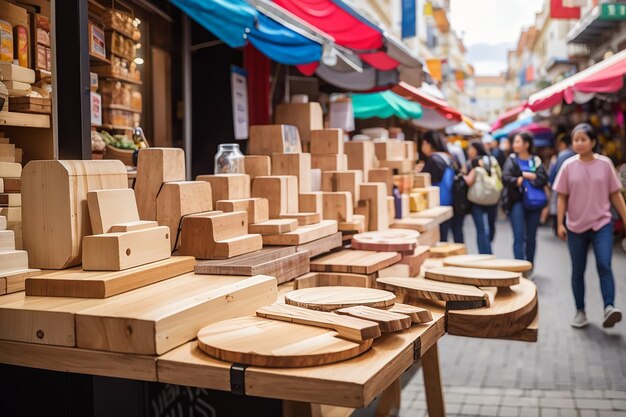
(490, 27)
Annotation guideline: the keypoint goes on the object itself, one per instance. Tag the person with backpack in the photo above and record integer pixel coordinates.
(485, 186)
(523, 197)
(440, 165)
(588, 185)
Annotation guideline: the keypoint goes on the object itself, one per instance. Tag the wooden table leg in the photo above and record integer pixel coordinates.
(432, 383)
(389, 404)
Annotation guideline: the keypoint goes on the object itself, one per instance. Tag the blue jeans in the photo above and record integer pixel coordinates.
(602, 242)
(524, 223)
(456, 225)
(485, 221)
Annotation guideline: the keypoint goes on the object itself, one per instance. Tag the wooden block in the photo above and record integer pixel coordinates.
(257, 165)
(132, 226)
(391, 209)
(10, 200)
(281, 192)
(432, 195)
(312, 202)
(361, 155)
(304, 219)
(343, 181)
(7, 159)
(10, 169)
(119, 251)
(257, 208)
(305, 116)
(388, 321)
(3, 223)
(409, 150)
(356, 225)
(13, 216)
(284, 264)
(486, 262)
(327, 142)
(109, 207)
(12, 260)
(354, 261)
(227, 186)
(376, 194)
(7, 149)
(384, 175)
(278, 138)
(404, 182)
(76, 282)
(19, 155)
(422, 180)
(218, 236)
(334, 279)
(473, 276)
(439, 214)
(421, 225)
(406, 205)
(403, 166)
(54, 198)
(430, 237)
(297, 164)
(418, 201)
(316, 179)
(157, 318)
(416, 260)
(154, 167)
(10, 185)
(330, 162)
(445, 249)
(338, 206)
(7, 240)
(273, 226)
(391, 149)
(363, 209)
(15, 279)
(347, 327)
(322, 245)
(178, 199)
(303, 234)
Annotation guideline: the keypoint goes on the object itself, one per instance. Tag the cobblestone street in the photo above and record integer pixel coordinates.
(568, 372)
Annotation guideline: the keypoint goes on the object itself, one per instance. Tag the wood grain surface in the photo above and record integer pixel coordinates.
(488, 262)
(347, 327)
(473, 276)
(387, 320)
(270, 343)
(417, 314)
(390, 240)
(334, 279)
(303, 234)
(435, 290)
(355, 261)
(333, 298)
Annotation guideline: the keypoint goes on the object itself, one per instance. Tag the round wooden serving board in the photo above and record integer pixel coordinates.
(334, 298)
(391, 240)
(473, 276)
(276, 344)
(469, 261)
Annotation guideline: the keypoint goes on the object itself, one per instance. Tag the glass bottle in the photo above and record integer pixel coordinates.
(229, 159)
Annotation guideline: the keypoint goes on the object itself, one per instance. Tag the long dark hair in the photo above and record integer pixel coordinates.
(529, 139)
(435, 140)
(589, 131)
(479, 147)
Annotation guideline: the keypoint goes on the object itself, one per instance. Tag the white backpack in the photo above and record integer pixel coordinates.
(487, 189)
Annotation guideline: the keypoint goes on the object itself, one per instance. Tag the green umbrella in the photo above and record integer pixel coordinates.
(384, 105)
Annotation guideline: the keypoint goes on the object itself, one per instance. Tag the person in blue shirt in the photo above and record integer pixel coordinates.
(565, 153)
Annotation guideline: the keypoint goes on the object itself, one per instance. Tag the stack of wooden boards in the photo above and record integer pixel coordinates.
(13, 263)
(10, 187)
(315, 326)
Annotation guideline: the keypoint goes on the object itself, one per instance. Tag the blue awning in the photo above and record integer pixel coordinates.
(235, 22)
(508, 129)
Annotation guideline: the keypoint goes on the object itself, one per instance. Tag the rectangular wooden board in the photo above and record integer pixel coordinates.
(15, 280)
(257, 208)
(273, 227)
(439, 214)
(421, 225)
(303, 234)
(78, 283)
(160, 317)
(284, 264)
(355, 261)
(321, 246)
(304, 219)
(327, 142)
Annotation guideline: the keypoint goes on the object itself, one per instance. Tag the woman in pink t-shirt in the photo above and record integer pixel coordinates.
(587, 185)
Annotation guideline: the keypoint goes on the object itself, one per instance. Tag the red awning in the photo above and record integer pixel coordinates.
(342, 23)
(440, 106)
(604, 77)
(508, 117)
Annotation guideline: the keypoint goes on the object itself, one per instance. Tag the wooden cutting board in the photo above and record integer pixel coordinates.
(444, 250)
(334, 279)
(512, 310)
(321, 246)
(347, 327)
(473, 276)
(284, 263)
(390, 240)
(388, 321)
(103, 284)
(421, 225)
(269, 343)
(455, 295)
(355, 261)
(417, 314)
(334, 298)
(513, 265)
(302, 234)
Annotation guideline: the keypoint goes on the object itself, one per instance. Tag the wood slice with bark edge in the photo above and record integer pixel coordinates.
(473, 276)
(417, 314)
(333, 298)
(390, 240)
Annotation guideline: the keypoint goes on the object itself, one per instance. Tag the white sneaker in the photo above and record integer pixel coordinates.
(579, 320)
(612, 315)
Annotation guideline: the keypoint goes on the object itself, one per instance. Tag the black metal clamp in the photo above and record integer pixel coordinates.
(238, 379)
(417, 349)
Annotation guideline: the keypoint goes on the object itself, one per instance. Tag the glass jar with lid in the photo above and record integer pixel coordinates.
(229, 159)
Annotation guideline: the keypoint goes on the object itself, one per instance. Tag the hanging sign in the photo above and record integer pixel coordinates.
(613, 11)
(409, 22)
(558, 10)
(239, 90)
